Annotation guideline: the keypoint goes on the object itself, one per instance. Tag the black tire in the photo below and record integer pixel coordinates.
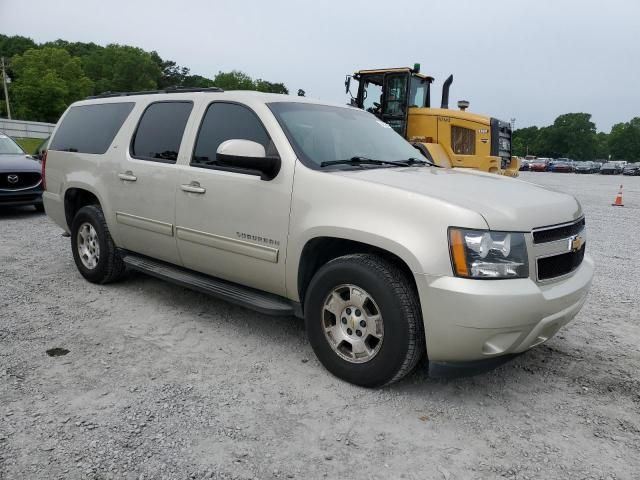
(403, 344)
(39, 207)
(110, 266)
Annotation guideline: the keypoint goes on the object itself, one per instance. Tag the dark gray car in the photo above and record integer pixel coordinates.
(586, 167)
(20, 176)
(611, 168)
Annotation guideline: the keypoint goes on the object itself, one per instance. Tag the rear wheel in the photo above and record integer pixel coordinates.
(364, 321)
(93, 249)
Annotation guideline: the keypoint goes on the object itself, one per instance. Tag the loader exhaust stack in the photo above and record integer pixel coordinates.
(445, 92)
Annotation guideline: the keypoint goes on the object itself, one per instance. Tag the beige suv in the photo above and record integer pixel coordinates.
(290, 206)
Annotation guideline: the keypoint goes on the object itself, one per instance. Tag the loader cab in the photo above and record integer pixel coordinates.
(390, 93)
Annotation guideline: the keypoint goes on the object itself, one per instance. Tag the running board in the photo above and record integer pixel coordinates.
(262, 302)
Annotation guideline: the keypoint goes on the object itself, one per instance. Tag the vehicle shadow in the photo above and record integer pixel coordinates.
(212, 313)
(529, 371)
(17, 213)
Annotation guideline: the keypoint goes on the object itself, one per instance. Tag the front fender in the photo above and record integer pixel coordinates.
(297, 245)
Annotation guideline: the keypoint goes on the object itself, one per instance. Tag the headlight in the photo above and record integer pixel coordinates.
(487, 254)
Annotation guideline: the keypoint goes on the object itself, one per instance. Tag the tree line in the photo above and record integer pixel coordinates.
(47, 77)
(574, 135)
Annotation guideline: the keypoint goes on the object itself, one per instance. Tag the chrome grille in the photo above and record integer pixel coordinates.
(551, 234)
(559, 249)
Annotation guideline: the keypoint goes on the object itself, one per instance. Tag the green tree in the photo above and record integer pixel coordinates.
(524, 141)
(234, 80)
(572, 135)
(75, 49)
(120, 68)
(270, 87)
(602, 146)
(172, 75)
(16, 45)
(197, 81)
(47, 81)
(624, 140)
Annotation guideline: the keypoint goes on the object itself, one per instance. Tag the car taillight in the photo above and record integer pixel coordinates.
(44, 167)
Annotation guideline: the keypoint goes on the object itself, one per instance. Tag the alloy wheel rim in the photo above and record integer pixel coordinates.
(88, 246)
(352, 323)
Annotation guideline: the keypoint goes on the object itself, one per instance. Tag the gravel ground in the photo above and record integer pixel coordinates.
(161, 382)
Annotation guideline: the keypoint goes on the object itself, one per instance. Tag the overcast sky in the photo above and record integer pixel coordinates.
(526, 59)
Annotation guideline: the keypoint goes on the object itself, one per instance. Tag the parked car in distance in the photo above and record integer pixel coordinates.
(631, 169)
(524, 165)
(586, 167)
(611, 168)
(539, 165)
(198, 188)
(20, 176)
(560, 166)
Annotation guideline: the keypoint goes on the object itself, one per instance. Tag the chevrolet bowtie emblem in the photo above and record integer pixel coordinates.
(576, 242)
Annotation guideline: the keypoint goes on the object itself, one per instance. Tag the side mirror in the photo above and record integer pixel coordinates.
(246, 156)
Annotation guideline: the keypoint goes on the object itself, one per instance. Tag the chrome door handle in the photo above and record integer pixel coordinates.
(193, 187)
(127, 176)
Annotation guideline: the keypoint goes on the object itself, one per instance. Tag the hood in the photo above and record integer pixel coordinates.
(19, 163)
(505, 203)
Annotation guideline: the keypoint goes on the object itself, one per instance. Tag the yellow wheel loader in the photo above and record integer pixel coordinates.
(401, 97)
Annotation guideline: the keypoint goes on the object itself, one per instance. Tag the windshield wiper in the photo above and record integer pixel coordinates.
(355, 161)
(414, 161)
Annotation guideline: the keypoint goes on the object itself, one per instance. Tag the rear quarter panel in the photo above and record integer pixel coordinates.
(91, 172)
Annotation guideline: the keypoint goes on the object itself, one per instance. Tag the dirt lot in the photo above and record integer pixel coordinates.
(162, 382)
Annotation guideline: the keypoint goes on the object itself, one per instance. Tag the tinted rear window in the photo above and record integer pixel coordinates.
(90, 128)
(160, 131)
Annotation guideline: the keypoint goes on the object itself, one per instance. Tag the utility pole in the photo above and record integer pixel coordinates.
(4, 84)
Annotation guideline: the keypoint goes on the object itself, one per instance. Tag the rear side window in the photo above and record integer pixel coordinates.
(90, 128)
(160, 131)
(226, 121)
(463, 141)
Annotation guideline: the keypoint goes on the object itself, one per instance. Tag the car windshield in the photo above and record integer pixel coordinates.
(321, 133)
(9, 147)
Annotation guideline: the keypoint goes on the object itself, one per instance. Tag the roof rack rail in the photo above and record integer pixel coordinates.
(149, 92)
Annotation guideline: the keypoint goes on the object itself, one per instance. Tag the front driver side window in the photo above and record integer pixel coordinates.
(225, 121)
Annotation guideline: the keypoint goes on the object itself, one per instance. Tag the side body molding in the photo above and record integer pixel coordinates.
(233, 245)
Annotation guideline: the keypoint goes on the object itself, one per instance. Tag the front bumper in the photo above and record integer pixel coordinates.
(32, 196)
(469, 320)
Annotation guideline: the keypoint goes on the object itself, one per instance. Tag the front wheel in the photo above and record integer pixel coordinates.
(93, 249)
(363, 320)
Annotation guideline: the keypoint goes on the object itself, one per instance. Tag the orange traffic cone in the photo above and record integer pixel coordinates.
(618, 202)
